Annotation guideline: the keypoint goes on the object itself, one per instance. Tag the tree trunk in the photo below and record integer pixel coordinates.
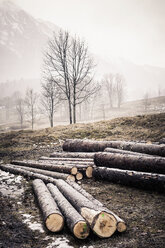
(78, 145)
(101, 222)
(115, 150)
(74, 113)
(85, 170)
(66, 161)
(48, 173)
(151, 149)
(131, 178)
(53, 218)
(70, 111)
(68, 169)
(16, 170)
(74, 220)
(129, 162)
(121, 226)
(72, 155)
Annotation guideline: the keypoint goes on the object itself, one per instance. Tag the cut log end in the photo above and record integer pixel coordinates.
(79, 176)
(121, 227)
(81, 230)
(74, 171)
(54, 222)
(105, 225)
(89, 171)
(71, 178)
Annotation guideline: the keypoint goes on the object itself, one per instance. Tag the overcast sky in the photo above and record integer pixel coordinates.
(132, 29)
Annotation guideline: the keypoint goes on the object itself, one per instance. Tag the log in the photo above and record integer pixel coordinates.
(129, 162)
(67, 162)
(72, 155)
(101, 222)
(15, 170)
(67, 159)
(131, 178)
(115, 150)
(78, 145)
(53, 218)
(68, 169)
(152, 149)
(74, 220)
(121, 225)
(53, 174)
(86, 171)
(79, 176)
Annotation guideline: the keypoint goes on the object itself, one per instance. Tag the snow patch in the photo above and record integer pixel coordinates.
(60, 243)
(35, 226)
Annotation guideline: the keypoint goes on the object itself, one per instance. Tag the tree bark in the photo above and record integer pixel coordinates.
(53, 218)
(129, 162)
(74, 220)
(131, 178)
(67, 169)
(151, 149)
(78, 145)
(48, 173)
(121, 225)
(79, 155)
(101, 222)
(67, 161)
(65, 158)
(15, 170)
(116, 150)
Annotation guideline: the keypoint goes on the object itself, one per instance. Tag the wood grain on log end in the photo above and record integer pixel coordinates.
(74, 171)
(89, 171)
(54, 222)
(103, 224)
(81, 230)
(71, 178)
(121, 227)
(79, 176)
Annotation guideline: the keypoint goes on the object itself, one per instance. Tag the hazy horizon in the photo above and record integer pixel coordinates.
(129, 29)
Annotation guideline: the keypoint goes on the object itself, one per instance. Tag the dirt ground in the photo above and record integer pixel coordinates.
(21, 223)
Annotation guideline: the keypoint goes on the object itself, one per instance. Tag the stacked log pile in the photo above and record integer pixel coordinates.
(60, 201)
(130, 163)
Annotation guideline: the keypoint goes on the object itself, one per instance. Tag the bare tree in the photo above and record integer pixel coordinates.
(20, 108)
(55, 66)
(31, 101)
(119, 88)
(50, 99)
(108, 82)
(80, 73)
(146, 102)
(68, 64)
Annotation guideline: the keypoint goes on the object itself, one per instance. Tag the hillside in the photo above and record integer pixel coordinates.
(149, 128)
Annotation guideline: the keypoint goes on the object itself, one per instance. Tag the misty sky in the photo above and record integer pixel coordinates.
(133, 29)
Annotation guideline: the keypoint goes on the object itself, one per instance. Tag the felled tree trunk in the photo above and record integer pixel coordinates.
(15, 170)
(95, 146)
(74, 220)
(69, 159)
(77, 145)
(86, 171)
(53, 218)
(79, 176)
(101, 222)
(67, 162)
(151, 149)
(131, 178)
(72, 155)
(121, 225)
(53, 174)
(129, 162)
(115, 150)
(69, 169)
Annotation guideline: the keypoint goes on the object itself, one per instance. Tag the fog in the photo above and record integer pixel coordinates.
(124, 37)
